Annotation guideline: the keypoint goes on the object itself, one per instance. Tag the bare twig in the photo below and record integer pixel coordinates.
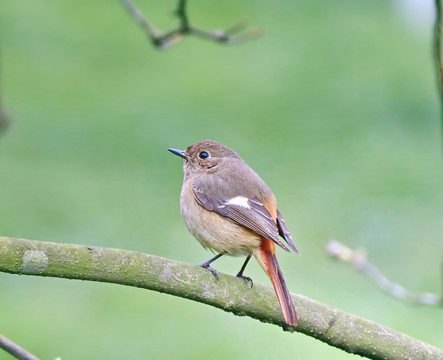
(233, 35)
(15, 350)
(3, 114)
(3, 120)
(140, 19)
(358, 259)
(438, 55)
(332, 326)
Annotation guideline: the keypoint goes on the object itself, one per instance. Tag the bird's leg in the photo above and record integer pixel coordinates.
(209, 262)
(240, 273)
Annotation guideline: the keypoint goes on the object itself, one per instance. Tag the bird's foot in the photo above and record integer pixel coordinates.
(212, 270)
(247, 279)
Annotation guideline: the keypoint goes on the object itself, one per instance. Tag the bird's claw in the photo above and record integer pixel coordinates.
(212, 270)
(247, 279)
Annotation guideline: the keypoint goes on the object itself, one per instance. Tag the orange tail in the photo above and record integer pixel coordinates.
(265, 255)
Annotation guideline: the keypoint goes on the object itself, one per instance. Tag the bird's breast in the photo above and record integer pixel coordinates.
(214, 231)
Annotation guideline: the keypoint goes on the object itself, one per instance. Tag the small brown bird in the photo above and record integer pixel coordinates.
(229, 209)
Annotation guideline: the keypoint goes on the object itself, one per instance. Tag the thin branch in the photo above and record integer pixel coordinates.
(140, 19)
(3, 114)
(15, 350)
(332, 326)
(438, 55)
(357, 258)
(234, 35)
(182, 15)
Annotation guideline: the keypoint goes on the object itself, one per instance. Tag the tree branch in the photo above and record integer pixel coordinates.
(332, 326)
(438, 55)
(234, 35)
(3, 114)
(15, 350)
(357, 258)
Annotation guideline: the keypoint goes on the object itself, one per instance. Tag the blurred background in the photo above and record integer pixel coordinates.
(335, 106)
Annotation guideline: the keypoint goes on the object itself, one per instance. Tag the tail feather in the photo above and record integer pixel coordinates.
(265, 255)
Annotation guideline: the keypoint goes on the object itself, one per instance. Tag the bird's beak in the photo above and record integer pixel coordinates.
(178, 152)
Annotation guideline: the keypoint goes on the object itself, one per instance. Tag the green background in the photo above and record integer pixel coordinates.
(335, 106)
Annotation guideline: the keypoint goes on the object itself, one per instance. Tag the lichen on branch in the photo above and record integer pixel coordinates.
(332, 326)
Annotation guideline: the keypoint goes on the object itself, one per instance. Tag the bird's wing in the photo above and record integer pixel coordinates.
(247, 212)
(284, 232)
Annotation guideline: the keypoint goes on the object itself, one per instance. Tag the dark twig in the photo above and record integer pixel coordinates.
(181, 13)
(438, 56)
(234, 35)
(3, 114)
(15, 350)
(358, 259)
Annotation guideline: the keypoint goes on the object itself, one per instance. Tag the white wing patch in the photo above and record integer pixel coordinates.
(239, 201)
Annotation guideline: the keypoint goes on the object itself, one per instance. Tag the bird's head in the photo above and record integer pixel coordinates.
(205, 156)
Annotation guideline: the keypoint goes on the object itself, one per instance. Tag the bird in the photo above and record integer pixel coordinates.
(230, 210)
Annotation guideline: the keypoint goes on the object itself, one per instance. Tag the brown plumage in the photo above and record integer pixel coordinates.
(230, 209)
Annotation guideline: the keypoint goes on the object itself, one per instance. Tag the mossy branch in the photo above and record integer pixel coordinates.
(335, 327)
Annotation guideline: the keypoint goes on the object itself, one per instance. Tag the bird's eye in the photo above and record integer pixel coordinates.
(203, 155)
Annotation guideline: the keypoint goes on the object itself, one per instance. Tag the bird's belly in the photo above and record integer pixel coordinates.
(215, 232)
